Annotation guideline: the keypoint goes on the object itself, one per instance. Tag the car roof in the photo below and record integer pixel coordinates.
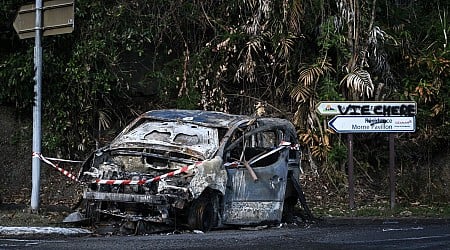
(207, 118)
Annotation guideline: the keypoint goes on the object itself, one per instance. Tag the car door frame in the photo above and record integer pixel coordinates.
(254, 201)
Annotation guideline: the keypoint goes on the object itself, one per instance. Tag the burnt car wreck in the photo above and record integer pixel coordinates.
(200, 169)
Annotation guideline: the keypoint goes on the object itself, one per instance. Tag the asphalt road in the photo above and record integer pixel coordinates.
(351, 234)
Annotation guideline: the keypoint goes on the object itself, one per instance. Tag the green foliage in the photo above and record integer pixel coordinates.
(330, 41)
(125, 57)
(338, 153)
(328, 90)
(17, 84)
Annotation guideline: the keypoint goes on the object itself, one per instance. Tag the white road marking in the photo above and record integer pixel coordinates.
(402, 229)
(25, 243)
(405, 239)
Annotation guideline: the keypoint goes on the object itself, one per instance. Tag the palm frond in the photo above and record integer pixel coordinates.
(104, 119)
(312, 74)
(254, 45)
(359, 81)
(284, 46)
(308, 77)
(296, 12)
(302, 93)
(246, 69)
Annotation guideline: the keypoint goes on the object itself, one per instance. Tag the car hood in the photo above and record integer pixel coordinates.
(184, 138)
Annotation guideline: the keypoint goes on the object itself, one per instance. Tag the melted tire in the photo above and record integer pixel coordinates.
(92, 212)
(203, 213)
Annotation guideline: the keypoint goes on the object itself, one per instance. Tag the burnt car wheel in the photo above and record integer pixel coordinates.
(203, 213)
(92, 211)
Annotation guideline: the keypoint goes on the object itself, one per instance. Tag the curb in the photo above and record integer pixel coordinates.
(26, 231)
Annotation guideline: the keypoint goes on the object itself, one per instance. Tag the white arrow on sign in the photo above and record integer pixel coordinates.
(372, 124)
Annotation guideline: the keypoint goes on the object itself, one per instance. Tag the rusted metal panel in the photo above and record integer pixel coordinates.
(209, 174)
(120, 197)
(171, 136)
(206, 118)
(242, 190)
(247, 213)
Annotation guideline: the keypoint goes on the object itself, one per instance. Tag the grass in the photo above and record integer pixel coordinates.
(384, 210)
(20, 216)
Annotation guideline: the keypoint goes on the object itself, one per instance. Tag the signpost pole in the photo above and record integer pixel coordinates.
(351, 181)
(36, 162)
(392, 168)
(370, 117)
(43, 19)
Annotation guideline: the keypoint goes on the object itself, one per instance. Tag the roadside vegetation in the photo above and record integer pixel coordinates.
(383, 210)
(126, 57)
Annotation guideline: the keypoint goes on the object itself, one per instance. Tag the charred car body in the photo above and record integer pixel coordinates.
(203, 169)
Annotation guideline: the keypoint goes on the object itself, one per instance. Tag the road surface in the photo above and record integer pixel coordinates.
(380, 234)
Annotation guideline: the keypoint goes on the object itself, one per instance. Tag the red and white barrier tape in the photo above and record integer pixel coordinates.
(288, 144)
(63, 171)
(63, 160)
(154, 179)
(282, 145)
(142, 182)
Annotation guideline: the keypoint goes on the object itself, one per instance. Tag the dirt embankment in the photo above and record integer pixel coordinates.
(16, 167)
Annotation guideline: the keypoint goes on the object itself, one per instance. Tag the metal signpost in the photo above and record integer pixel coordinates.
(370, 117)
(35, 20)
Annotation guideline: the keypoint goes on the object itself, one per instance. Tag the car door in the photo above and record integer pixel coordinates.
(256, 161)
